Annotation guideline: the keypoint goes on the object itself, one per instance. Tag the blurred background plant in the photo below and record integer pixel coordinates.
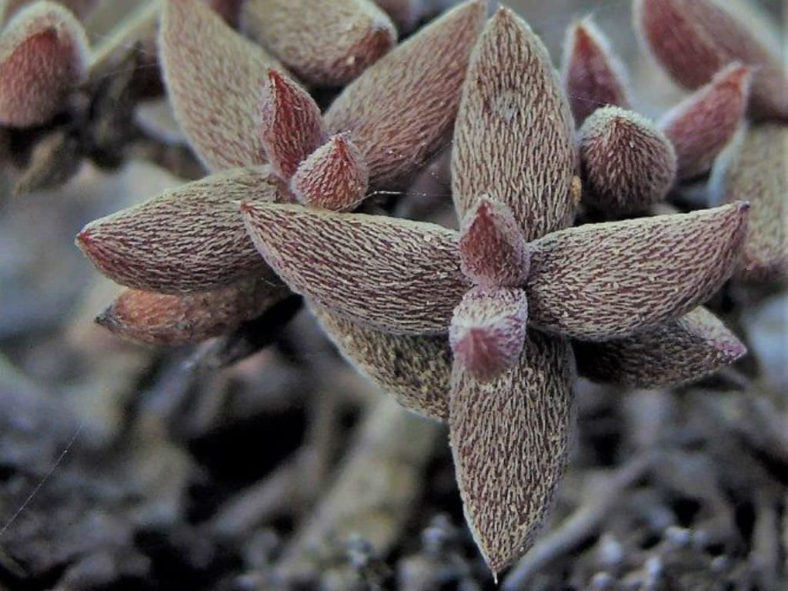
(259, 459)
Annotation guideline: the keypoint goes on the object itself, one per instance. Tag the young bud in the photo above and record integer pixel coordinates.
(334, 177)
(291, 124)
(488, 331)
(628, 163)
(492, 248)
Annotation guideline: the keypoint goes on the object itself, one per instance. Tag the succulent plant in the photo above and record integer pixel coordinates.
(479, 327)
(509, 290)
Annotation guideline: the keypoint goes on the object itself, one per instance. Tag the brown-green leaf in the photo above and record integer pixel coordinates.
(509, 440)
(214, 79)
(394, 274)
(513, 137)
(679, 351)
(600, 281)
(170, 319)
(324, 43)
(755, 169)
(400, 109)
(185, 240)
(415, 370)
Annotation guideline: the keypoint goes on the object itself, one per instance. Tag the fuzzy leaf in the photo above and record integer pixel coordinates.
(593, 75)
(43, 57)
(754, 168)
(701, 126)
(488, 330)
(492, 248)
(679, 351)
(694, 39)
(169, 319)
(334, 177)
(291, 124)
(513, 137)
(509, 440)
(394, 274)
(405, 13)
(415, 370)
(601, 281)
(229, 10)
(325, 43)
(79, 8)
(628, 163)
(214, 78)
(400, 109)
(185, 240)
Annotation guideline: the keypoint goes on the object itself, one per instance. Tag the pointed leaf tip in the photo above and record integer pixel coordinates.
(400, 110)
(694, 39)
(324, 43)
(334, 177)
(290, 122)
(168, 319)
(593, 75)
(214, 77)
(394, 274)
(513, 135)
(185, 240)
(684, 350)
(43, 57)
(599, 281)
(627, 162)
(701, 126)
(492, 248)
(488, 331)
(509, 440)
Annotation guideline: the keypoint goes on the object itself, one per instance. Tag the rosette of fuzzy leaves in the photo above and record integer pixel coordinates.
(266, 139)
(473, 327)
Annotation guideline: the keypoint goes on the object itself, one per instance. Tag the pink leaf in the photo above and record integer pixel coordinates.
(394, 274)
(628, 163)
(701, 126)
(325, 43)
(754, 168)
(291, 124)
(415, 370)
(679, 351)
(176, 319)
(600, 281)
(334, 177)
(400, 109)
(492, 248)
(509, 439)
(513, 137)
(488, 330)
(694, 39)
(214, 78)
(185, 240)
(43, 57)
(593, 75)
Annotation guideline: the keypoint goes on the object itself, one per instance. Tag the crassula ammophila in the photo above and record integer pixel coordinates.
(487, 327)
